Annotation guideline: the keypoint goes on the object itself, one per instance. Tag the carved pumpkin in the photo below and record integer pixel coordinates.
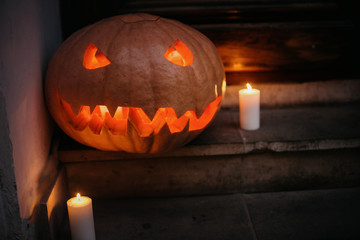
(138, 83)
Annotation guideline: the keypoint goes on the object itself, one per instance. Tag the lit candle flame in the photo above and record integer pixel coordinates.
(248, 86)
(78, 197)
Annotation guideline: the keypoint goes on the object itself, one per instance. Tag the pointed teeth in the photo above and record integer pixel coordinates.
(92, 108)
(180, 112)
(199, 113)
(146, 121)
(150, 112)
(75, 108)
(112, 110)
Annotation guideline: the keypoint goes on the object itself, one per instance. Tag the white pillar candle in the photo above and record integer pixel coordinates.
(249, 108)
(81, 218)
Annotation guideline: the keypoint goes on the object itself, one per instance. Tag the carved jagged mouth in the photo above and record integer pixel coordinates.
(100, 119)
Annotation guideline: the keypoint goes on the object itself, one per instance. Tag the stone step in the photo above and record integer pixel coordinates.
(303, 147)
(281, 93)
(320, 214)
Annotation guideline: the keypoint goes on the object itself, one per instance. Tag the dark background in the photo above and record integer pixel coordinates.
(277, 40)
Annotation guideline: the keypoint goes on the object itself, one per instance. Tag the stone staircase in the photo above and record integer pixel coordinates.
(302, 57)
(295, 148)
(299, 146)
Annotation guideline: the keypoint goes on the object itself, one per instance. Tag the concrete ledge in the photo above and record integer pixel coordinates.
(51, 211)
(295, 148)
(282, 130)
(180, 176)
(292, 94)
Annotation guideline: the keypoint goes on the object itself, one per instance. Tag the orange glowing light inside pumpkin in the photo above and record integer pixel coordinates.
(178, 53)
(94, 60)
(101, 119)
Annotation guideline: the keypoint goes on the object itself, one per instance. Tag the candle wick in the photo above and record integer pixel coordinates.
(78, 197)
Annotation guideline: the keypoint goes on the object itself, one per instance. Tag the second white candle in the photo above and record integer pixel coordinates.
(249, 108)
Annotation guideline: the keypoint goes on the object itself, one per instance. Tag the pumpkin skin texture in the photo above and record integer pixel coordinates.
(111, 86)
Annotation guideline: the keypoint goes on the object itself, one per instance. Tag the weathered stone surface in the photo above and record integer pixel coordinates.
(213, 217)
(284, 94)
(216, 175)
(306, 128)
(10, 222)
(50, 213)
(320, 214)
(326, 214)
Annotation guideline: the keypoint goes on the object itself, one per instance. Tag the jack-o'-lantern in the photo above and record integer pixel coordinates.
(137, 83)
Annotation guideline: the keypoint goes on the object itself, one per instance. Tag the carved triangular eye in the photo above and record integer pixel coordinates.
(178, 53)
(94, 60)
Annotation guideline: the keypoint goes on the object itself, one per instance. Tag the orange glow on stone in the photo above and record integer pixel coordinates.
(178, 53)
(94, 60)
(101, 119)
